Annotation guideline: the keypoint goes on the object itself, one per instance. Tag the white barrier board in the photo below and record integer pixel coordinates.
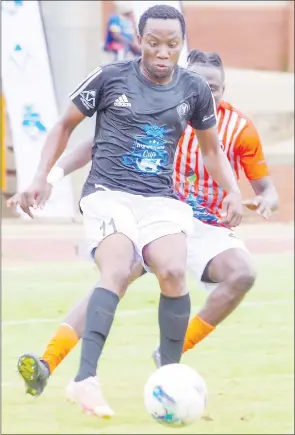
(30, 98)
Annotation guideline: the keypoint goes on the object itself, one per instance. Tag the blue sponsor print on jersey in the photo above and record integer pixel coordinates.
(149, 155)
(200, 211)
(32, 123)
(168, 404)
(196, 201)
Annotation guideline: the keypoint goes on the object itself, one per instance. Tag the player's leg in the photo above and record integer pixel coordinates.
(111, 229)
(165, 253)
(36, 371)
(75, 318)
(72, 327)
(220, 260)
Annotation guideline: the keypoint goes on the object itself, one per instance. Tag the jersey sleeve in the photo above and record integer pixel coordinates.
(204, 114)
(251, 154)
(88, 96)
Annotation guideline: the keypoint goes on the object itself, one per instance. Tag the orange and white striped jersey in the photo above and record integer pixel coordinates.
(240, 141)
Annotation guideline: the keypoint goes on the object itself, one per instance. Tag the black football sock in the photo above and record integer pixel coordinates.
(99, 318)
(173, 321)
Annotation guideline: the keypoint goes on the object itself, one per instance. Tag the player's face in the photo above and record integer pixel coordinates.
(161, 45)
(214, 78)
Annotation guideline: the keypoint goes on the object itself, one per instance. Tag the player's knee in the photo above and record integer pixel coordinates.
(243, 278)
(120, 274)
(115, 277)
(172, 272)
(172, 279)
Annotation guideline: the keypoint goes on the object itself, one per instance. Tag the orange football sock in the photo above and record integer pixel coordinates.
(197, 330)
(64, 340)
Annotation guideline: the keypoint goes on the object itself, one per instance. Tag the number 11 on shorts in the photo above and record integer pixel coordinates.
(108, 227)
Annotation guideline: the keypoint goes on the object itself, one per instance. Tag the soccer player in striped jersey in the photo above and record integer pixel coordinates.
(218, 259)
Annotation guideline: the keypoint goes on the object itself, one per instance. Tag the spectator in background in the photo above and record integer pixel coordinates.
(121, 32)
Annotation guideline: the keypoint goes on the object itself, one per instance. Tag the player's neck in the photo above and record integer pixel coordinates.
(164, 81)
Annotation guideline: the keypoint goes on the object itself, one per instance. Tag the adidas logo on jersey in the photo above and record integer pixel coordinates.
(122, 101)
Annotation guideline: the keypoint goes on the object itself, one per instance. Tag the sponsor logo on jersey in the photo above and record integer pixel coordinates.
(183, 109)
(206, 118)
(88, 99)
(122, 101)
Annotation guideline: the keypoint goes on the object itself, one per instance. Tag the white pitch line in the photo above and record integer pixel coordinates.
(128, 313)
(125, 313)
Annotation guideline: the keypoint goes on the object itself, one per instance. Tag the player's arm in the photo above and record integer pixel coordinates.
(85, 101)
(71, 162)
(266, 200)
(78, 157)
(57, 141)
(38, 192)
(215, 160)
(256, 170)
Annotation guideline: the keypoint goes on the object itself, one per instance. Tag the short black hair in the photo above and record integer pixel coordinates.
(161, 12)
(209, 58)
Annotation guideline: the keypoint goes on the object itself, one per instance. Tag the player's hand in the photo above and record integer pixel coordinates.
(34, 197)
(232, 210)
(260, 205)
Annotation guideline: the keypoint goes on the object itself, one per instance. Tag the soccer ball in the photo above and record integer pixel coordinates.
(175, 395)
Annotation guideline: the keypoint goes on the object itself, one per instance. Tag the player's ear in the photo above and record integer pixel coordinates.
(223, 88)
(139, 39)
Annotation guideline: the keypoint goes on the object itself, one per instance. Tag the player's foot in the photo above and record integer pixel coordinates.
(157, 357)
(88, 395)
(34, 372)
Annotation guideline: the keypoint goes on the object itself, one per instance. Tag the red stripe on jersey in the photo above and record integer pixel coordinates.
(178, 162)
(188, 160)
(196, 169)
(229, 124)
(215, 187)
(231, 155)
(218, 195)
